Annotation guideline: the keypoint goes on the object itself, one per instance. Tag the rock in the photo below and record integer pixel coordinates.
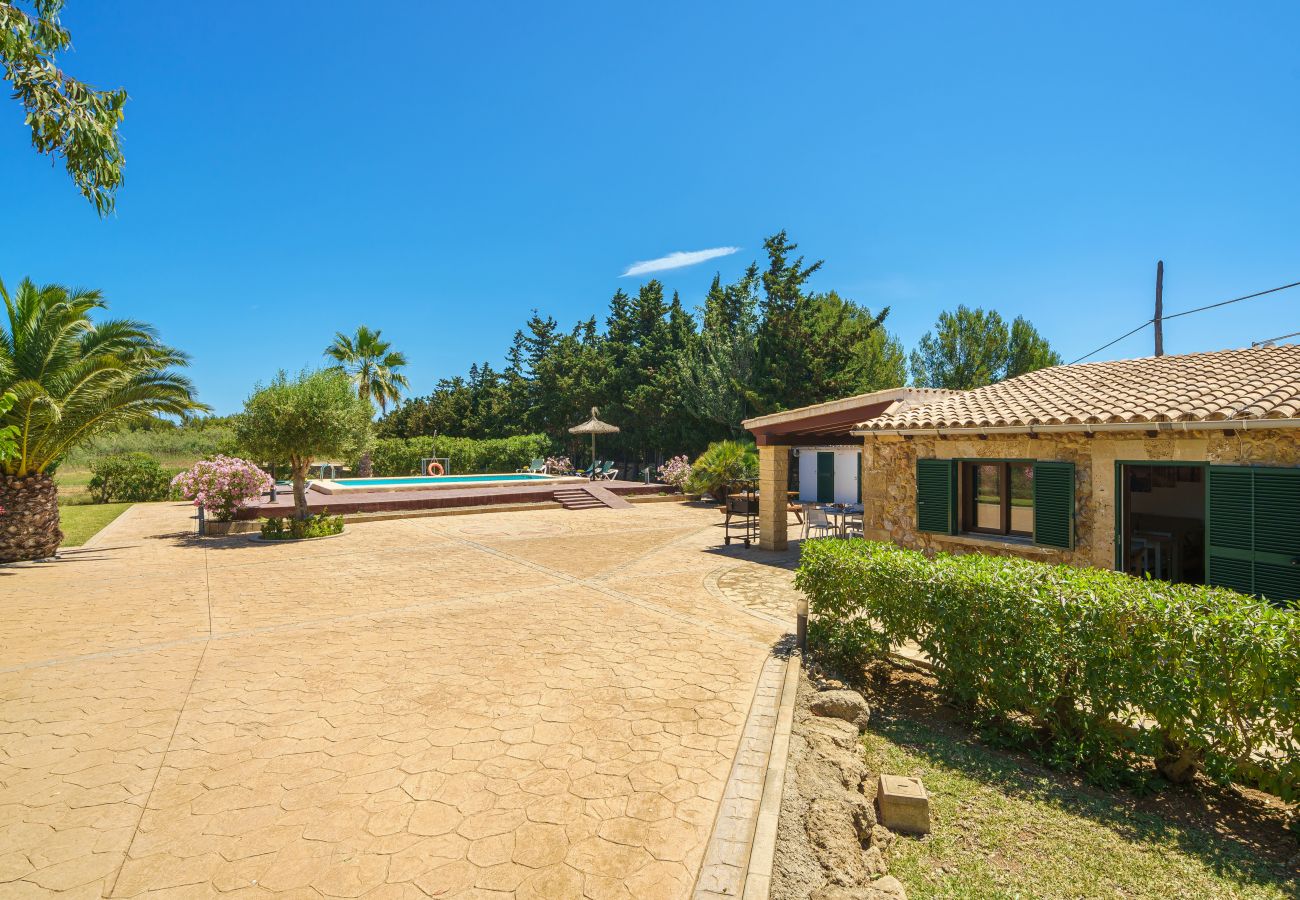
(834, 839)
(847, 705)
(864, 819)
(874, 861)
(839, 732)
(831, 684)
(882, 837)
(839, 892)
(887, 887)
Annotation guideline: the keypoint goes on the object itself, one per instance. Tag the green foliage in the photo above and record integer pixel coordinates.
(1100, 665)
(322, 525)
(67, 117)
(970, 348)
(75, 378)
(469, 456)
(722, 466)
(128, 478)
(671, 380)
(8, 433)
(372, 365)
(173, 444)
(315, 414)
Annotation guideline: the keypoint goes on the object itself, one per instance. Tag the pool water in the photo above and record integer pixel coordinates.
(436, 479)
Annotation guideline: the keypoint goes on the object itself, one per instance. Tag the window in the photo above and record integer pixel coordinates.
(997, 497)
(1004, 497)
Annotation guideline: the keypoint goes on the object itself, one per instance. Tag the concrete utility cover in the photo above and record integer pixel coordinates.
(903, 804)
(530, 703)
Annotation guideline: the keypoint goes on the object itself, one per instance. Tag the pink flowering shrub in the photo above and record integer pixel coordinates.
(222, 485)
(558, 465)
(675, 471)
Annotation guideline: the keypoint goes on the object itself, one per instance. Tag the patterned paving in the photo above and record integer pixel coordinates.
(524, 704)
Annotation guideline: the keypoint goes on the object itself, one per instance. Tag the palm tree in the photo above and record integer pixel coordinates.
(72, 379)
(372, 364)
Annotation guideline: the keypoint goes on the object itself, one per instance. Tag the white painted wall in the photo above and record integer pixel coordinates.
(807, 475)
(846, 476)
(846, 473)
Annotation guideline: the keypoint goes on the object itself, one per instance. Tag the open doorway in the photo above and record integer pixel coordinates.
(1162, 527)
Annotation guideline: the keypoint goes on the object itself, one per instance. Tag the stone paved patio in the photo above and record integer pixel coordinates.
(527, 704)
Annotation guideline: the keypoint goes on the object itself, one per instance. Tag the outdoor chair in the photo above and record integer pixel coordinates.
(609, 473)
(590, 470)
(533, 468)
(816, 523)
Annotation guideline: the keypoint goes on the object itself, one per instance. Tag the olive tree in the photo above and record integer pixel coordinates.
(68, 118)
(315, 414)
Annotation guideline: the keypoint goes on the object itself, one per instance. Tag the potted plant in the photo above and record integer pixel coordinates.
(221, 486)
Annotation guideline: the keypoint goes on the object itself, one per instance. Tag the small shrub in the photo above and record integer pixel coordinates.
(128, 478)
(322, 525)
(722, 466)
(222, 485)
(559, 465)
(1103, 667)
(676, 471)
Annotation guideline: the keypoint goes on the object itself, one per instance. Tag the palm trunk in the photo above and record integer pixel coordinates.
(364, 467)
(29, 517)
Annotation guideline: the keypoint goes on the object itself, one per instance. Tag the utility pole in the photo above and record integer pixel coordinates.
(1160, 307)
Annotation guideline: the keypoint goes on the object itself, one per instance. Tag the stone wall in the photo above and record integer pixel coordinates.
(889, 480)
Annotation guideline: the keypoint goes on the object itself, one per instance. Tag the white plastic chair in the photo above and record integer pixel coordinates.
(816, 523)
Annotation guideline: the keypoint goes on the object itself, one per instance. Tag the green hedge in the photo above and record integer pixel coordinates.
(401, 456)
(1097, 665)
(128, 478)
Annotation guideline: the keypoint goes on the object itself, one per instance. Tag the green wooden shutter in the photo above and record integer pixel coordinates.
(858, 477)
(1054, 504)
(1230, 528)
(1277, 533)
(1253, 531)
(936, 496)
(825, 477)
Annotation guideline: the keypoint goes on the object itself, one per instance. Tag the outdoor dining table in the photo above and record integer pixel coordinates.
(840, 513)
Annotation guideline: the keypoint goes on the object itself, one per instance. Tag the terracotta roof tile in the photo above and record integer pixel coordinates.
(1259, 383)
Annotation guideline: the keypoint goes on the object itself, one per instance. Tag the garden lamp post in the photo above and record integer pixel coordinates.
(593, 427)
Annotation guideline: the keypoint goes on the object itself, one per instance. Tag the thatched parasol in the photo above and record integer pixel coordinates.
(593, 427)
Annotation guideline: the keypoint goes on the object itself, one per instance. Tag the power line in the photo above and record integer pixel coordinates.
(1114, 342)
(1280, 337)
(1188, 312)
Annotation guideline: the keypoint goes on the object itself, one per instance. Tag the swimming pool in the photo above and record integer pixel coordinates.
(427, 482)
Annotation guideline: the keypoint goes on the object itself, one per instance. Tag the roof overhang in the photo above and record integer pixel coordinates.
(827, 423)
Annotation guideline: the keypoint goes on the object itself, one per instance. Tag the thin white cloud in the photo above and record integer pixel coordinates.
(678, 260)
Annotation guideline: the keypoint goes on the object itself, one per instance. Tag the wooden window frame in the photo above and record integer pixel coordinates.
(967, 503)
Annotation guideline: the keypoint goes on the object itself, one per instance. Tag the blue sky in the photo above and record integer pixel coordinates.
(296, 168)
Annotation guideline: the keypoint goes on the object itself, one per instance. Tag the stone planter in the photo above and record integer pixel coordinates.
(218, 529)
(29, 525)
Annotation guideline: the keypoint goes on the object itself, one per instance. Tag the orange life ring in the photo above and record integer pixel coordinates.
(434, 468)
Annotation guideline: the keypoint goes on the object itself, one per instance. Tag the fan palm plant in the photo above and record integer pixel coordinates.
(72, 379)
(372, 364)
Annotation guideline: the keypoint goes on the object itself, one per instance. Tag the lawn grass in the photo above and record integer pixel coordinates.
(72, 484)
(82, 521)
(1005, 827)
